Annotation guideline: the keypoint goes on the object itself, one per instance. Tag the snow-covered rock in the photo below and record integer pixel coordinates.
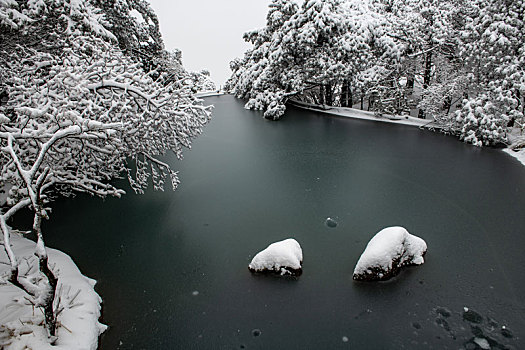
(284, 257)
(388, 251)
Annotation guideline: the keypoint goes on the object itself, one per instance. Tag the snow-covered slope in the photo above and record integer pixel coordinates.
(22, 325)
(388, 251)
(284, 257)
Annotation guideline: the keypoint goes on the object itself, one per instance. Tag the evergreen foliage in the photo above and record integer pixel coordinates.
(458, 63)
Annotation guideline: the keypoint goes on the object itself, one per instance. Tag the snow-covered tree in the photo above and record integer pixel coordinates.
(494, 51)
(255, 77)
(78, 112)
(202, 81)
(455, 61)
(312, 51)
(136, 27)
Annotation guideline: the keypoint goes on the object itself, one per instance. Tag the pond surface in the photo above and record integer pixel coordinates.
(172, 267)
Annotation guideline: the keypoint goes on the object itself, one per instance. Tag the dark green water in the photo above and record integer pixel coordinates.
(248, 182)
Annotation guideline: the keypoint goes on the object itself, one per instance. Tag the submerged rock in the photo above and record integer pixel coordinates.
(284, 257)
(388, 251)
(330, 222)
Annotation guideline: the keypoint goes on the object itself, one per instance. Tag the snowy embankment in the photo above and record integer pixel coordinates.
(388, 251)
(404, 120)
(519, 155)
(209, 93)
(366, 115)
(78, 305)
(517, 145)
(284, 257)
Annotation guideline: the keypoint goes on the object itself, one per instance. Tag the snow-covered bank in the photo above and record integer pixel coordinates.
(519, 155)
(366, 115)
(517, 142)
(22, 324)
(209, 93)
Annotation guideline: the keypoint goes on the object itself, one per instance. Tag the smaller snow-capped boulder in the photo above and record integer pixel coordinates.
(284, 257)
(388, 251)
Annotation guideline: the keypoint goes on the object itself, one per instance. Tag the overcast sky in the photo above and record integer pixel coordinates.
(209, 32)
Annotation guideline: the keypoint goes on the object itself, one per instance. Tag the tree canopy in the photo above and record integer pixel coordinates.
(86, 98)
(459, 63)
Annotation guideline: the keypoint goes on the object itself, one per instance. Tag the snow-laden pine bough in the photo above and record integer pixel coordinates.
(387, 252)
(283, 257)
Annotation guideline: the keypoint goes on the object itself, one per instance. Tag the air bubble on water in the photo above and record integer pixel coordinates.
(256, 332)
(195, 293)
(345, 339)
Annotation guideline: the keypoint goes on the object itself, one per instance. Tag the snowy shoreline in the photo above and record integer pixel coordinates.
(209, 93)
(22, 324)
(365, 115)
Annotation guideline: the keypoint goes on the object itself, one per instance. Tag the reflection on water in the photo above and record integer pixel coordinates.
(172, 267)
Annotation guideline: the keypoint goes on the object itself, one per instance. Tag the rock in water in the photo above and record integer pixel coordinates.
(284, 257)
(330, 222)
(388, 251)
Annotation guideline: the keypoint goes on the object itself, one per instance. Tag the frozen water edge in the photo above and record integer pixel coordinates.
(78, 328)
(520, 155)
(209, 93)
(366, 115)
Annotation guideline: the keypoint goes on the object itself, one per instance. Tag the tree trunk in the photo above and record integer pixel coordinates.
(428, 70)
(41, 253)
(427, 74)
(362, 101)
(329, 95)
(447, 103)
(321, 95)
(344, 94)
(49, 313)
(410, 82)
(350, 101)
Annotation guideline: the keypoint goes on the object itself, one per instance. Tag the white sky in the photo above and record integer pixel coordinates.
(209, 32)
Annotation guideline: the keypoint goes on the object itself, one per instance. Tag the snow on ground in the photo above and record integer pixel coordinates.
(366, 115)
(517, 145)
(519, 155)
(209, 93)
(284, 257)
(22, 325)
(390, 249)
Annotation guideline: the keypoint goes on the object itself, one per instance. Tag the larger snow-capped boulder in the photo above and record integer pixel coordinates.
(388, 251)
(284, 257)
